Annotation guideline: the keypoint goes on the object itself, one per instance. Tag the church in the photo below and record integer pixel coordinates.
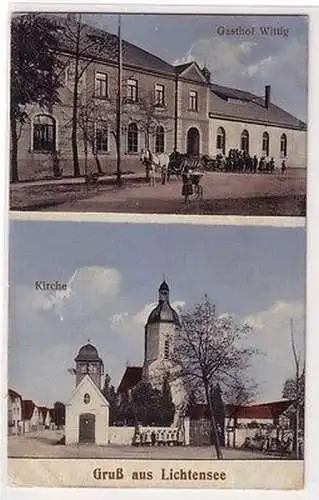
(87, 411)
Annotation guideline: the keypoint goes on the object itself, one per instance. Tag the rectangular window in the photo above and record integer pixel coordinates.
(159, 95)
(101, 135)
(193, 100)
(132, 90)
(101, 85)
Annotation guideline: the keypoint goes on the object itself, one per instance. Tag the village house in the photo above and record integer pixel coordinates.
(45, 417)
(164, 107)
(30, 416)
(15, 420)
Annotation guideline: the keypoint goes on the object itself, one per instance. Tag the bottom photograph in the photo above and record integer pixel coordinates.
(156, 355)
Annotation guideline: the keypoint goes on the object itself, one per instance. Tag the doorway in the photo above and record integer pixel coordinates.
(87, 428)
(193, 141)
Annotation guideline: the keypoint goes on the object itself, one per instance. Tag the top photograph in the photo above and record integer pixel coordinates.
(158, 113)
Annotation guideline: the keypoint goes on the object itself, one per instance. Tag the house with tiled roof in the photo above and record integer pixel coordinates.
(30, 415)
(14, 413)
(45, 417)
(261, 413)
(164, 107)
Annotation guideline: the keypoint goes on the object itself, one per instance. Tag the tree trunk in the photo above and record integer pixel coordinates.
(76, 165)
(98, 163)
(213, 421)
(56, 164)
(14, 176)
(85, 155)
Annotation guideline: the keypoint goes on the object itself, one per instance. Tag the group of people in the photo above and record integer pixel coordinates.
(158, 437)
(240, 161)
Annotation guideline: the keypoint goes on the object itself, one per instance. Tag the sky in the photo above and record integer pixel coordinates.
(113, 271)
(247, 62)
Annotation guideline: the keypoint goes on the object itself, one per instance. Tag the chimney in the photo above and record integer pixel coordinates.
(206, 73)
(267, 96)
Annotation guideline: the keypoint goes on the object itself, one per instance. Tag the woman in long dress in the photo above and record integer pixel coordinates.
(187, 187)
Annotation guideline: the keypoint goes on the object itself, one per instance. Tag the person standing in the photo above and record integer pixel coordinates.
(187, 187)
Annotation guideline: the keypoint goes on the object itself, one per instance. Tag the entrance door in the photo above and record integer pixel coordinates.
(193, 141)
(87, 428)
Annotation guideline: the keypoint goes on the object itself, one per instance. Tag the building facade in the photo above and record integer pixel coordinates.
(15, 421)
(30, 415)
(164, 107)
(87, 411)
(161, 329)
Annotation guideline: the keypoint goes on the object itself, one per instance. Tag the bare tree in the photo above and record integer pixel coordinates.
(211, 350)
(294, 389)
(85, 46)
(240, 393)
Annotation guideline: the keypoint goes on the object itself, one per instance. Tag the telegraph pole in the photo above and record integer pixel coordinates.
(119, 104)
(297, 382)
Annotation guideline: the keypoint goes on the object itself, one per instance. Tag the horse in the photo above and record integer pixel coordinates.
(153, 162)
(161, 161)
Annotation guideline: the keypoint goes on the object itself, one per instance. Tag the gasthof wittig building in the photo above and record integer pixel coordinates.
(165, 107)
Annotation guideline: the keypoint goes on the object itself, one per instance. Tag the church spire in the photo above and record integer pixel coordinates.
(163, 292)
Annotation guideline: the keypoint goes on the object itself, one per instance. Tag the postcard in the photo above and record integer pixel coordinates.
(157, 250)
(146, 350)
(174, 114)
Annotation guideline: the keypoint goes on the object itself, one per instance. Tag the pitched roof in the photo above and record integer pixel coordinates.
(257, 411)
(133, 55)
(181, 67)
(132, 375)
(85, 382)
(13, 394)
(27, 409)
(253, 110)
(43, 410)
(236, 104)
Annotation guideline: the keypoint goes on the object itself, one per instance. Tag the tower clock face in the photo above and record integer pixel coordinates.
(92, 368)
(83, 369)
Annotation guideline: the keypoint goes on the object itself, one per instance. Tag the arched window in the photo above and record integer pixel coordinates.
(166, 349)
(159, 139)
(283, 145)
(44, 134)
(244, 141)
(265, 147)
(132, 138)
(221, 140)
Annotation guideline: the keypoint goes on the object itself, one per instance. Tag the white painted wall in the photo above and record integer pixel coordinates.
(123, 436)
(76, 406)
(296, 141)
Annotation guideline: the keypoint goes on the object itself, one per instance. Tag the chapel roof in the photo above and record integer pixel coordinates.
(88, 352)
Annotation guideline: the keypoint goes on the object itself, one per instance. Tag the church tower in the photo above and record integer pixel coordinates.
(160, 330)
(88, 362)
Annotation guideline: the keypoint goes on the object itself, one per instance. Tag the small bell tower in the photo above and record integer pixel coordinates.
(88, 362)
